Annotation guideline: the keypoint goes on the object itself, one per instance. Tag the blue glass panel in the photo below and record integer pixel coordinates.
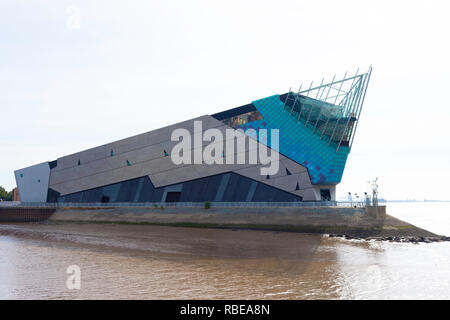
(300, 143)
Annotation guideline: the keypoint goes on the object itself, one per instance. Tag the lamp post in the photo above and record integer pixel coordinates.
(366, 195)
(374, 186)
(357, 199)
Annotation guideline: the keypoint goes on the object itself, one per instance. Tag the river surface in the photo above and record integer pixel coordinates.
(149, 262)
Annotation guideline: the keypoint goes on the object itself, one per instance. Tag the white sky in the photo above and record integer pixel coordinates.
(135, 66)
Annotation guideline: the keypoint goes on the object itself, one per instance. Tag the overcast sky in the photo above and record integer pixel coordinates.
(135, 66)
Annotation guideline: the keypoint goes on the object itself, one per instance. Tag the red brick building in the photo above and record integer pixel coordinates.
(16, 195)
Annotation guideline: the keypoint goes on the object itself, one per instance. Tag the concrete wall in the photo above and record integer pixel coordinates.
(378, 212)
(33, 182)
(284, 217)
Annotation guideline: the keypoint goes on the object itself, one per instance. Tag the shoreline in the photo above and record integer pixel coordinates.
(64, 231)
(167, 242)
(350, 223)
(344, 222)
(332, 231)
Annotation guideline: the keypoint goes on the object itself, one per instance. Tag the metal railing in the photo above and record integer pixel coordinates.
(179, 204)
(351, 204)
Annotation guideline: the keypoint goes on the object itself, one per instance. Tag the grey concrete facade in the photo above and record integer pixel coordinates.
(33, 182)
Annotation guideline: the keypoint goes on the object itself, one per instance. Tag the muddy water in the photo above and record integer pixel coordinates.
(149, 262)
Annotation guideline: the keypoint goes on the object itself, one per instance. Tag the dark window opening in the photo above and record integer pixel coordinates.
(173, 196)
(297, 187)
(288, 172)
(233, 188)
(234, 112)
(53, 164)
(325, 194)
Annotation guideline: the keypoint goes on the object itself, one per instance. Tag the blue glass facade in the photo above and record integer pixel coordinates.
(298, 141)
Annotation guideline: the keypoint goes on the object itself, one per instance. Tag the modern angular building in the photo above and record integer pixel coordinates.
(316, 126)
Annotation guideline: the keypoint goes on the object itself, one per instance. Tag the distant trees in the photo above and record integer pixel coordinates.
(5, 195)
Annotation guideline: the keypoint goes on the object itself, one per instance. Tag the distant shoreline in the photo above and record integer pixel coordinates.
(417, 201)
(390, 201)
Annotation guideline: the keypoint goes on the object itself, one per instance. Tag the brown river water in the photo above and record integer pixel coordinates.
(150, 262)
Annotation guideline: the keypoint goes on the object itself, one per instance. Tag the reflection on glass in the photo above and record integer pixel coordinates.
(242, 119)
